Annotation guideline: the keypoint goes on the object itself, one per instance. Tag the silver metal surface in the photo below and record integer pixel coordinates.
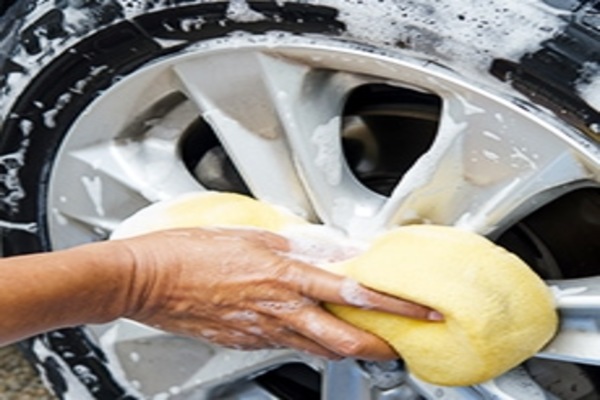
(579, 337)
(276, 109)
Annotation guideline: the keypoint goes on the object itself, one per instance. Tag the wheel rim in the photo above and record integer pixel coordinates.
(274, 115)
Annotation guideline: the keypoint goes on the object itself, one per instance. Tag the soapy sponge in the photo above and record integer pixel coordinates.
(497, 311)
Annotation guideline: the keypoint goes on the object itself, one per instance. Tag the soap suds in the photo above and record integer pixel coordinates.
(30, 227)
(320, 245)
(566, 292)
(240, 11)
(490, 155)
(492, 135)
(329, 150)
(282, 307)
(135, 356)
(245, 315)
(521, 159)
(189, 24)
(209, 333)
(74, 389)
(353, 293)
(588, 84)
(11, 189)
(457, 31)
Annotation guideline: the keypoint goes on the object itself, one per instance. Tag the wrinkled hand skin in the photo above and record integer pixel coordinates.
(237, 288)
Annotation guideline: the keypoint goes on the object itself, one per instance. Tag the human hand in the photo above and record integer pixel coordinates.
(237, 288)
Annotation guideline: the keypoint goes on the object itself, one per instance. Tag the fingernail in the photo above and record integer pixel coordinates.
(435, 316)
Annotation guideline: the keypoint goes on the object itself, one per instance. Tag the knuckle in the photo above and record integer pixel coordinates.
(351, 347)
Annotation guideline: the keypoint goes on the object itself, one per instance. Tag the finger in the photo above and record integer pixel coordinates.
(323, 285)
(240, 341)
(339, 336)
(358, 295)
(287, 329)
(235, 337)
(269, 333)
(304, 344)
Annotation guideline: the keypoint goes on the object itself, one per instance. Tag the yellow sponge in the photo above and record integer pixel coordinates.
(497, 311)
(206, 209)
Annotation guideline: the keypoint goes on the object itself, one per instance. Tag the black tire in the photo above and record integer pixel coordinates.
(45, 55)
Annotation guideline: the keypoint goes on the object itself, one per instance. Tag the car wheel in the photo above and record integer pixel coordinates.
(359, 115)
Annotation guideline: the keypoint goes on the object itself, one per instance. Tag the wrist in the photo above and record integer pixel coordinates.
(146, 290)
(110, 269)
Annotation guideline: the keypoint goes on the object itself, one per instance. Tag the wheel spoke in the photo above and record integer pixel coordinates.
(431, 391)
(578, 338)
(515, 384)
(204, 368)
(99, 194)
(119, 162)
(482, 172)
(310, 108)
(150, 159)
(121, 176)
(229, 366)
(280, 123)
(343, 380)
(233, 96)
(351, 379)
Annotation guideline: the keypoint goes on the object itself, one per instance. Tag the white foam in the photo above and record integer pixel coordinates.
(59, 217)
(75, 389)
(456, 31)
(314, 324)
(26, 127)
(492, 135)
(240, 11)
(190, 24)
(329, 150)
(49, 115)
(589, 84)
(522, 159)
(255, 330)
(161, 396)
(175, 390)
(283, 307)
(320, 245)
(566, 292)
(209, 333)
(11, 164)
(354, 294)
(245, 315)
(135, 356)
(490, 155)
(30, 227)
